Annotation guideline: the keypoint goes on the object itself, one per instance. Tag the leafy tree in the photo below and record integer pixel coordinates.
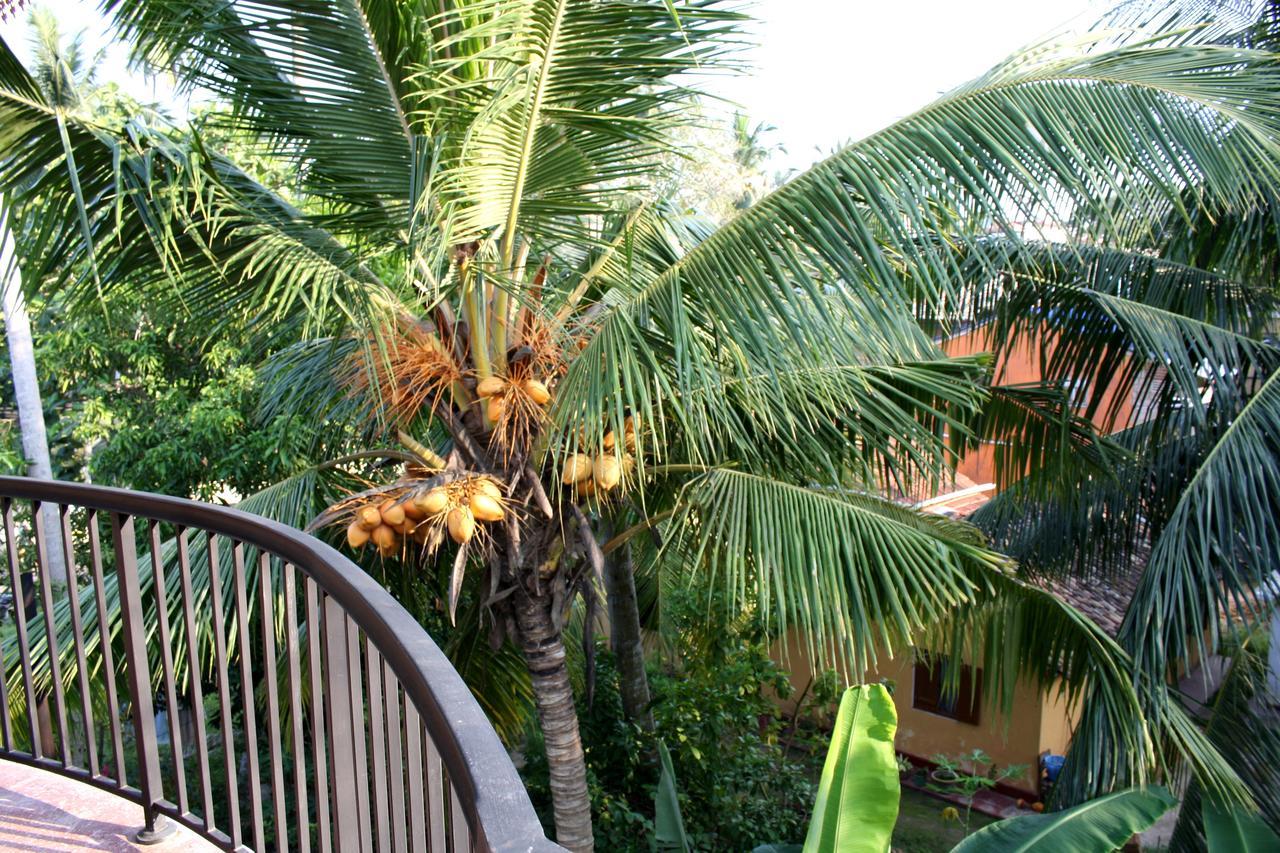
(142, 401)
(473, 276)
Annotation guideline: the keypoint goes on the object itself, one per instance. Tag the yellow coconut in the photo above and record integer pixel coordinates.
(385, 538)
(433, 502)
(609, 440)
(368, 517)
(392, 513)
(488, 487)
(629, 434)
(486, 508)
(462, 525)
(537, 392)
(491, 386)
(576, 469)
(412, 510)
(586, 488)
(357, 536)
(495, 408)
(607, 471)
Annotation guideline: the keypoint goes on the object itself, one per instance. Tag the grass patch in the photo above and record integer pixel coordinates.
(921, 829)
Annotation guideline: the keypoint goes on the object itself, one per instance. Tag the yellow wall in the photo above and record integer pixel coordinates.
(1057, 721)
(1018, 739)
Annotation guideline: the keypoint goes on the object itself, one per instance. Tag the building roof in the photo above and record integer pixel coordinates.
(1104, 598)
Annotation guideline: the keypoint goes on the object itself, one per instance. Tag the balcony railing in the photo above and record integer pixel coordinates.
(241, 678)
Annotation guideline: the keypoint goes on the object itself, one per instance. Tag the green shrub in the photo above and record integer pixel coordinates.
(712, 709)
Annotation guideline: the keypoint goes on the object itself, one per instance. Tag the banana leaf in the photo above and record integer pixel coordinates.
(1098, 826)
(857, 803)
(1238, 830)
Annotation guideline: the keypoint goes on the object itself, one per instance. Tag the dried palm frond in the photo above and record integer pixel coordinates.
(411, 373)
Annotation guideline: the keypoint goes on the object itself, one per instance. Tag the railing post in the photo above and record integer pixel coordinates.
(138, 677)
(342, 750)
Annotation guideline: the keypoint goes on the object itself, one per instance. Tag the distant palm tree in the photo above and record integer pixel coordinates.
(478, 272)
(751, 153)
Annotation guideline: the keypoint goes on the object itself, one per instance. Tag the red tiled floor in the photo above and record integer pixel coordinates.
(42, 811)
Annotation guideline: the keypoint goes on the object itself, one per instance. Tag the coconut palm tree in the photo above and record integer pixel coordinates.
(475, 271)
(1178, 355)
(62, 73)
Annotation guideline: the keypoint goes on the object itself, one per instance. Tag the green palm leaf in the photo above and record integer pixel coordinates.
(1219, 544)
(1239, 727)
(848, 569)
(313, 81)
(1023, 137)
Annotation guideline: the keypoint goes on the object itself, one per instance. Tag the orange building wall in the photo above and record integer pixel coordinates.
(1022, 364)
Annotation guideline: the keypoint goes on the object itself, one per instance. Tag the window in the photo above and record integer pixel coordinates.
(931, 673)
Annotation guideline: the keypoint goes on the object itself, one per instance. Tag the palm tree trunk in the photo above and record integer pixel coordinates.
(26, 387)
(544, 655)
(625, 637)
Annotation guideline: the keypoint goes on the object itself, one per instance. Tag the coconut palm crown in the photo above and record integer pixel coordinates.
(467, 266)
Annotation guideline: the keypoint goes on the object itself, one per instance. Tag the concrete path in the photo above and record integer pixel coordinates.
(42, 811)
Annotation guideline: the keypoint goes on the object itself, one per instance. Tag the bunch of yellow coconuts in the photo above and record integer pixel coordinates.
(494, 389)
(455, 506)
(603, 472)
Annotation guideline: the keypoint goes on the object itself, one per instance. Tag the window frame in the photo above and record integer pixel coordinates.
(928, 671)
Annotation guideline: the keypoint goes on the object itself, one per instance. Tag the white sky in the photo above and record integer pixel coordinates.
(831, 71)
(825, 71)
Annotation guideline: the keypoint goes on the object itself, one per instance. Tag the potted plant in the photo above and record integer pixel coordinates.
(947, 772)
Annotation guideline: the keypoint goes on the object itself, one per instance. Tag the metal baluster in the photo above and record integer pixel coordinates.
(108, 657)
(43, 570)
(413, 754)
(166, 661)
(5, 724)
(342, 752)
(395, 760)
(358, 737)
(224, 688)
(273, 703)
(459, 831)
(378, 736)
(77, 636)
(20, 619)
(318, 740)
(133, 621)
(193, 676)
(435, 795)
(295, 708)
(247, 695)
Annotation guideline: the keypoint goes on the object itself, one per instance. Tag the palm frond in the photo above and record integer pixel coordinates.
(571, 110)
(1038, 438)
(1218, 549)
(844, 251)
(178, 219)
(1241, 727)
(318, 83)
(850, 571)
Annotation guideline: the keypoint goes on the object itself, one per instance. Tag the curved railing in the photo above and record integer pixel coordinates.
(247, 681)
